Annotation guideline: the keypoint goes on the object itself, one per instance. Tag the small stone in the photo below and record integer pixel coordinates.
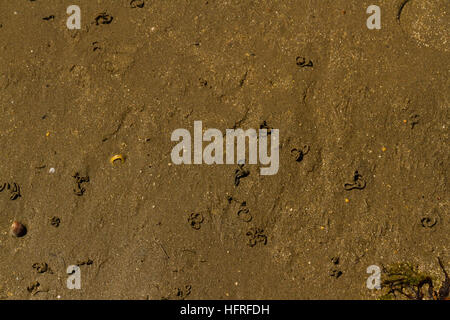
(18, 229)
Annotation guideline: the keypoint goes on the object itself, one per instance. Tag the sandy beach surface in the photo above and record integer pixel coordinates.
(344, 98)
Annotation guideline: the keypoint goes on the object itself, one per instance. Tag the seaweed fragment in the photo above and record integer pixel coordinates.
(405, 280)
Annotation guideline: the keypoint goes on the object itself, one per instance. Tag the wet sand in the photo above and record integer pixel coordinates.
(372, 101)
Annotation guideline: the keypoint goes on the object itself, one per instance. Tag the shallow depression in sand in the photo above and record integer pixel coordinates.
(427, 22)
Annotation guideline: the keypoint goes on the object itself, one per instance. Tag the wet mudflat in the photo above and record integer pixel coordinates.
(86, 118)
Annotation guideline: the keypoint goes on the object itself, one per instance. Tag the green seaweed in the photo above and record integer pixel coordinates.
(405, 280)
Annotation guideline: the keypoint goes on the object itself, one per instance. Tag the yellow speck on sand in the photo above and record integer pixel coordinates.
(10, 294)
(404, 121)
(383, 149)
(47, 134)
(347, 200)
(322, 227)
